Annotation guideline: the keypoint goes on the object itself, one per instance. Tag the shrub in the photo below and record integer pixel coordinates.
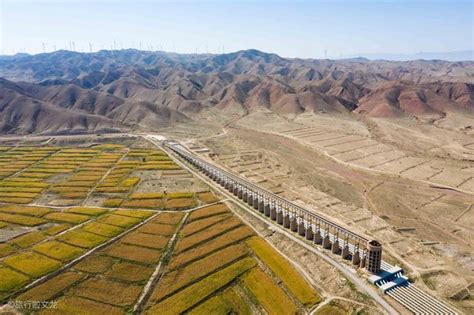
(32, 264)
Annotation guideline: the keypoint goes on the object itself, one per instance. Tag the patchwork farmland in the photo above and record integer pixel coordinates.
(117, 229)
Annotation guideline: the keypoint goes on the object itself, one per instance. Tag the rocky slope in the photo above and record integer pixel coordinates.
(67, 91)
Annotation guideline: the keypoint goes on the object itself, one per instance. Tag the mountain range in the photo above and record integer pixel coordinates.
(108, 91)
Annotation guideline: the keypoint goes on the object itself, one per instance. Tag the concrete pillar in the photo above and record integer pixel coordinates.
(362, 262)
(240, 194)
(230, 187)
(356, 258)
(326, 242)
(309, 233)
(266, 210)
(261, 206)
(301, 229)
(280, 217)
(226, 185)
(223, 182)
(250, 200)
(286, 221)
(255, 203)
(345, 252)
(335, 247)
(273, 213)
(245, 196)
(236, 191)
(294, 225)
(317, 237)
(374, 256)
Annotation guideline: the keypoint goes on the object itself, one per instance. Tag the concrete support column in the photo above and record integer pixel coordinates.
(273, 213)
(335, 247)
(301, 229)
(294, 225)
(356, 258)
(326, 242)
(362, 262)
(286, 221)
(230, 187)
(250, 200)
(226, 185)
(266, 210)
(240, 194)
(255, 203)
(236, 191)
(261, 206)
(280, 217)
(245, 196)
(309, 233)
(345, 252)
(317, 237)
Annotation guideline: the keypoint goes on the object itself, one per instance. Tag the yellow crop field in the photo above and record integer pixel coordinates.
(134, 253)
(168, 218)
(23, 201)
(58, 228)
(199, 291)
(143, 203)
(228, 302)
(207, 197)
(129, 272)
(18, 194)
(118, 220)
(32, 264)
(51, 288)
(147, 195)
(208, 211)
(21, 219)
(82, 238)
(145, 240)
(173, 281)
(6, 249)
(11, 280)
(66, 217)
(117, 189)
(216, 243)
(199, 225)
(175, 195)
(283, 270)
(180, 204)
(107, 291)
(28, 239)
(134, 213)
(270, 295)
(156, 229)
(77, 305)
(102, 229)
(95, 264)
(58, 250)
(130, 182)
(87, 211)
(207, 234)
(112, 202)
(34, 211)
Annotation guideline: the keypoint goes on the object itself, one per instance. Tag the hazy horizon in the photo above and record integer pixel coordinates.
(300, 29)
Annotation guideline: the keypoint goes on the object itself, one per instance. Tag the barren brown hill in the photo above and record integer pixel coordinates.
(131, 89)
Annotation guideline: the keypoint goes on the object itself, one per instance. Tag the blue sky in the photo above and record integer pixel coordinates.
(289, 28)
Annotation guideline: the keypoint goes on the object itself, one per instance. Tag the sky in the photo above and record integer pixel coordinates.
(306, 29)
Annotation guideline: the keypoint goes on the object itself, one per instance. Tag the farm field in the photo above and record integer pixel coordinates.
(90, 228)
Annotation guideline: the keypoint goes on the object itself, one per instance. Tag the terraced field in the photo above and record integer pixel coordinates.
(114, 229)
